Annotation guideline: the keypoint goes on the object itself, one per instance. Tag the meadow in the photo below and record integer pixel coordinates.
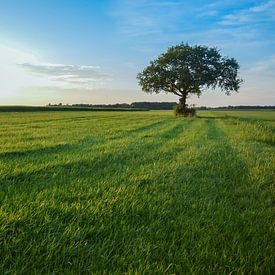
(137, 192)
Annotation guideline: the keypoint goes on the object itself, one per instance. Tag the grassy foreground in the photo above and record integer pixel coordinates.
(137, 192)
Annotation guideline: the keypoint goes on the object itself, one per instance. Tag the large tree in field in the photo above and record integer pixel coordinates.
(184, 70)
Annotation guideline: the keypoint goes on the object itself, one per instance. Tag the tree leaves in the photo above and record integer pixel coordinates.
(186, 69)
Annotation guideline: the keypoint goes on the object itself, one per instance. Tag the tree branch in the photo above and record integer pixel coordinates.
(174, 92)
(178, 94)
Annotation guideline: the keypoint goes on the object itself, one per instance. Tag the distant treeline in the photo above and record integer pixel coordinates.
(134, 105)
(64, 108)
(161, 106)
(239, 107)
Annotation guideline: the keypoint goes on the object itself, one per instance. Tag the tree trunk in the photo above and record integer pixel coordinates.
(182, 101)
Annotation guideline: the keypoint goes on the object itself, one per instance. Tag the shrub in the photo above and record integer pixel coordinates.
(179, 110)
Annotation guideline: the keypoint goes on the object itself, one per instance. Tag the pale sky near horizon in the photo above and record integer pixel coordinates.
(85, 51)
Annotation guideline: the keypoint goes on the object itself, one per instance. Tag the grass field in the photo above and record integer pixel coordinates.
(137, 192)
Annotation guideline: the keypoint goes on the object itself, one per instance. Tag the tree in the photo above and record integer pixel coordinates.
(184, 70)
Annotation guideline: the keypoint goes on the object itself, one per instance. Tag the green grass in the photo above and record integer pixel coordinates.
(137, 192)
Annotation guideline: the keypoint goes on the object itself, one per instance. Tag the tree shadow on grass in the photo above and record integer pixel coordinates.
(198, 212)
(213, 117)
(34, 152)
(266, 139)
(48, 150)
(60, 148)
(217, 191)
(116, 160)
(148, 126)
(174, 132)
(107, 221)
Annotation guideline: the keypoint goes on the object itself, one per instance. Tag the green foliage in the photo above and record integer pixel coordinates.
(180, 110)
(96, 193)
(154, 105)
(186, 69)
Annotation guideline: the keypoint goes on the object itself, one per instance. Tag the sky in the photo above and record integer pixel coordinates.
(90, 51)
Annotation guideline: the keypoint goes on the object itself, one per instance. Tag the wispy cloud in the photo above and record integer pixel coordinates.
(263, 7)
(40, 83)
(251, 15)
(146, 18)
(76, 74)
(208, 13)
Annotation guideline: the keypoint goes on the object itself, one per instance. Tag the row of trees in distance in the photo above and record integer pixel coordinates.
(158, 106)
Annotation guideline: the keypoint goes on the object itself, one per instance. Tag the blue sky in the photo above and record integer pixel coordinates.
(85, 51)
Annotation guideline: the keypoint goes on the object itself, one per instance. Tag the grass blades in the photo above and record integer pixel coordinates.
(137, 193)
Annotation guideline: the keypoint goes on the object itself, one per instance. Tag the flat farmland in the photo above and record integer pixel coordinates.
(137, 192)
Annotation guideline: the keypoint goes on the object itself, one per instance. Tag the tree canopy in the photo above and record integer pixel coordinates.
(185, 70)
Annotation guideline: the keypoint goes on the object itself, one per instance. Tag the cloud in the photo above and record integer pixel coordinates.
(72, 74)
(21, 71)
(258, 14)
(12, 77)
(208, 13)
(263, 7)
(63, 89)
(147, 18)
